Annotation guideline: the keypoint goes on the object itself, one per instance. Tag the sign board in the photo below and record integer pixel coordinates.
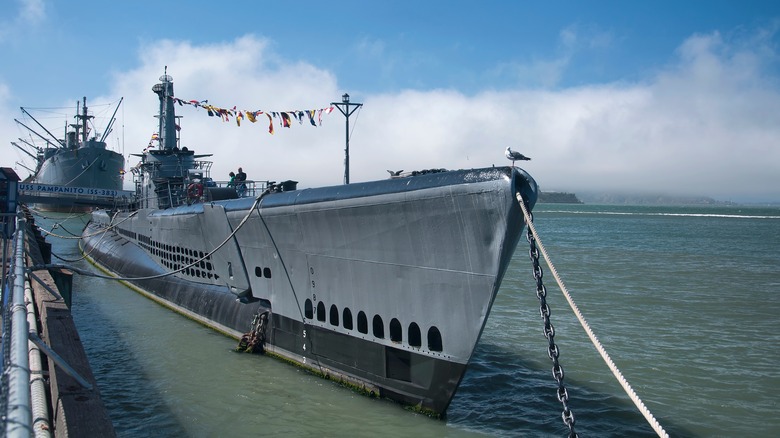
(40, 189)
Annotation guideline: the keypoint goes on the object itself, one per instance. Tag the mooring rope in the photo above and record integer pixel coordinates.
(71, 215)
(150, 277)
(75, 237)
(86, 254)
(615, 371)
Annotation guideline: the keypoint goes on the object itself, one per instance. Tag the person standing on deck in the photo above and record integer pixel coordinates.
(240, 181)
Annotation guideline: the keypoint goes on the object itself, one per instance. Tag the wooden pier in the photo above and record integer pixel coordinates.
(74, 410)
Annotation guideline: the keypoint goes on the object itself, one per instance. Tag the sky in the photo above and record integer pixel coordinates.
(646, 97)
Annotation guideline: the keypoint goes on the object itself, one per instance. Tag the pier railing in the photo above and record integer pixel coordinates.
(250, 189)
(38, 335)
(16, 398)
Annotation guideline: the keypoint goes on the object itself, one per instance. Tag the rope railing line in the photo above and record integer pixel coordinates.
(152, 277)
(39, 213)
(103, 232)
(596, 343)
(109, 227)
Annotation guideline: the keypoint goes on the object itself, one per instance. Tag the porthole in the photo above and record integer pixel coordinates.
(320, 311)
(396, 332)
(434, 339)
(334, 315)
(347, 319)
(308, 309)
(362, 321)
(379, 327)
(415, 339)
(267, 272)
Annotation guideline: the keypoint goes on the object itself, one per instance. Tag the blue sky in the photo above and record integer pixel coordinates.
(661, 97)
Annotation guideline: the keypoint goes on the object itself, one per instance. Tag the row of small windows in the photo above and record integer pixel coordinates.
(344, 319)
(175, 257)
(127, 233)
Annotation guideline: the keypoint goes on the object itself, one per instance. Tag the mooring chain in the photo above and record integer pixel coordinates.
(549, 332)
(254, 339)
(537, 248)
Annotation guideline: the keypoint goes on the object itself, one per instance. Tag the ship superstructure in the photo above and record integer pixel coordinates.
(78, 161)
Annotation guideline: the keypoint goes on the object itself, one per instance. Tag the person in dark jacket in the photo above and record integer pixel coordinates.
(240, 182)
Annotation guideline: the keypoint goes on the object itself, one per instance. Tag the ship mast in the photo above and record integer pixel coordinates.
(347, 112)
(113, 119)
(167, 129)
(60, 142)
(83, 118)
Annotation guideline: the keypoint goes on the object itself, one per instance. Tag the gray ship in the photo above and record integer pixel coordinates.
(384, 286)
(76, 162)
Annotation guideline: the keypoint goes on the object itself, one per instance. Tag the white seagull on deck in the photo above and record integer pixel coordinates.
(515, 156)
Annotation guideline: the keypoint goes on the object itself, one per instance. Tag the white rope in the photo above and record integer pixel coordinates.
(618, 375)
(183, 268)
(109, 227)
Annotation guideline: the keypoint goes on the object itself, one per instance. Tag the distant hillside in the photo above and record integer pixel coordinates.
(634, 199)
(625, 199)
(558, 198)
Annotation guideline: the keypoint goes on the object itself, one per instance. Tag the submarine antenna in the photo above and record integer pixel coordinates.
(347, 112)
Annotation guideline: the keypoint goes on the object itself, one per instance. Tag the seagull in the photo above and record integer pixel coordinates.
(514, 156)
(395, 173)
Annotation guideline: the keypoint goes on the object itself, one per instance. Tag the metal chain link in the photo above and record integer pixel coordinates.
(549, 332)
(254, 339)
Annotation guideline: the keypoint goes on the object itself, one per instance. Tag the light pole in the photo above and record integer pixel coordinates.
(347, 112)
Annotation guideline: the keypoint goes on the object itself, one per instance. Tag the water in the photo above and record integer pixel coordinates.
(686, 300)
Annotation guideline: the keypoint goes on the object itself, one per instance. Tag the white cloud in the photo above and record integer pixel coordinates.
(705, 125)
(372, 48)
(32, 11)
(545, 73)
(548, 72)
(577, 37)
(30, 14)
(245, 74)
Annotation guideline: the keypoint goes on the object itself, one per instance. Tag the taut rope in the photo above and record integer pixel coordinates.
(615, 371)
